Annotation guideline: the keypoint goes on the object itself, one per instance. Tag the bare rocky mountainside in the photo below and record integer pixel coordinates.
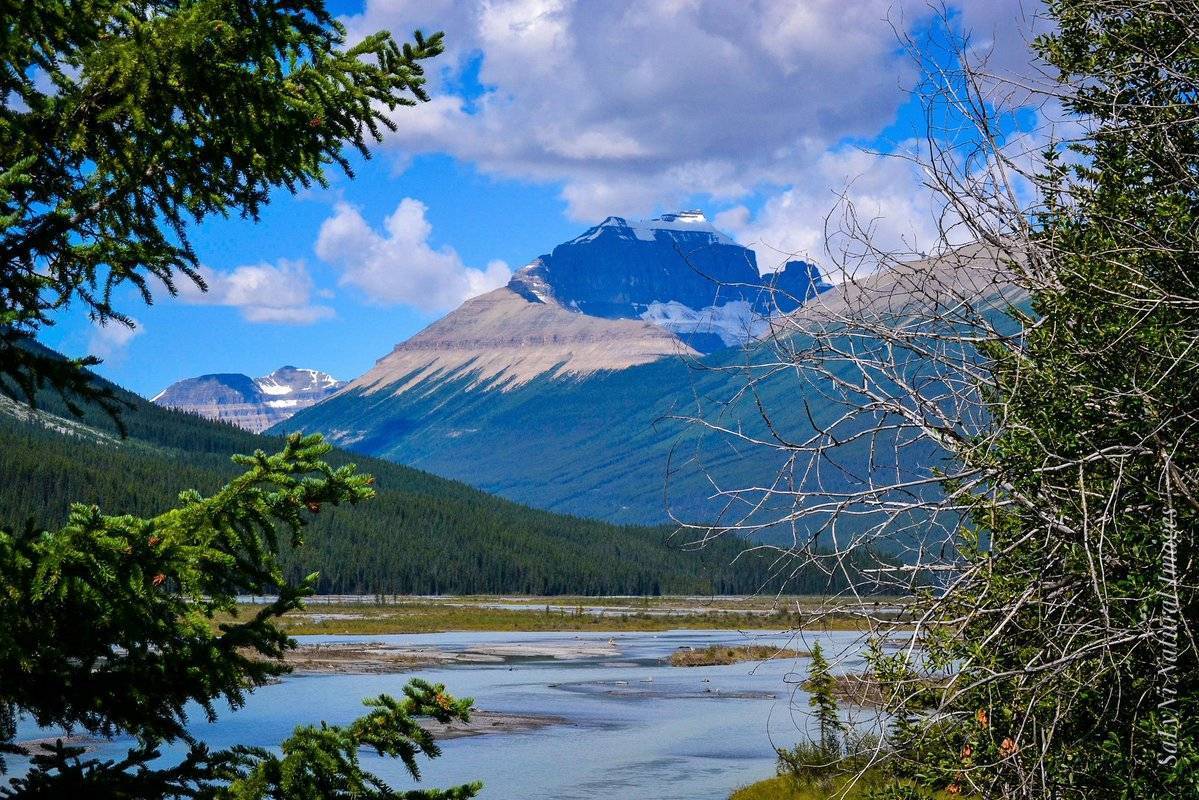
(621, 294)
(251, 403)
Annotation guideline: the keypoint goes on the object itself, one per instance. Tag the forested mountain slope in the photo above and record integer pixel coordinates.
(422, 534)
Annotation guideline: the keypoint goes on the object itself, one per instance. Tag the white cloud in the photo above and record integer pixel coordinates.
(1001, 35)
(810, 221)
(633, 105)
(108, 340)
(271, 293)
(629, 104)
(398, 265)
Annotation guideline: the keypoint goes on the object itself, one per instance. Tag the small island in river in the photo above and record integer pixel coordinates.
(720, 654)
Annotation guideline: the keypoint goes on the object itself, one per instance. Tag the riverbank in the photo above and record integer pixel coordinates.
(663, 732)
(784, 787)
(376, 658)
(483, 723)
(394, 615)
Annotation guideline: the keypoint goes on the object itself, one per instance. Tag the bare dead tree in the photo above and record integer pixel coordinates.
(909, 385)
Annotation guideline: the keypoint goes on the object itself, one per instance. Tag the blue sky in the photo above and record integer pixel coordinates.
(547, 116)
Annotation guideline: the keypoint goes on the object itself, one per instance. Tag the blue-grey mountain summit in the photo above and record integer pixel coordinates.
(676, 271)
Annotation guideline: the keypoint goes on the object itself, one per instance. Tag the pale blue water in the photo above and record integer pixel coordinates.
(667, 733)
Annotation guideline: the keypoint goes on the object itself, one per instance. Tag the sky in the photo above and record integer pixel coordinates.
(546, 117)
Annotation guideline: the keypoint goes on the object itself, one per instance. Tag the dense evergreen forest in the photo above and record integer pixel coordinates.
(421, 535)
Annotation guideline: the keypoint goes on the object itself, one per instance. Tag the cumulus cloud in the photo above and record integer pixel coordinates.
(109, 339)
(269, 293)
(844, 195)
(399, 265)
(1000, 35)
(633, 105)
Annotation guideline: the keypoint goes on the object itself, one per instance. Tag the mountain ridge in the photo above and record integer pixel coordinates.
(518, 390)
(254, 404)
(619, 295)
(653, 441)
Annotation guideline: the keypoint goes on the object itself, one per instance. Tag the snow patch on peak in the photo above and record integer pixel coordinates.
(251, 403)
(734, 322)
(530, 283)
(647, 230)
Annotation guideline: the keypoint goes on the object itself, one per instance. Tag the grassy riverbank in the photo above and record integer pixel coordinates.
(784, 787)
(601, 615)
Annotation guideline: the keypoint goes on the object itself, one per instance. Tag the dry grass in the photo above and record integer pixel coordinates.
(424, 615)
(716, 655)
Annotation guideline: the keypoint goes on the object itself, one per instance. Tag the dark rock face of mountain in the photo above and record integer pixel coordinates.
(253, 404)
(621, 294)
(660, 268)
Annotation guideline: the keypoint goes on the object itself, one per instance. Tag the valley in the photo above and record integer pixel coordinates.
(421, 534)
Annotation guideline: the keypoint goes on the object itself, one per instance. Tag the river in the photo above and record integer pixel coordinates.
(636, 729)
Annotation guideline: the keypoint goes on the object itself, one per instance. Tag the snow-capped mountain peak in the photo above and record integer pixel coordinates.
(289, 380)
(676, 271)
(251, 403)
(693, 224)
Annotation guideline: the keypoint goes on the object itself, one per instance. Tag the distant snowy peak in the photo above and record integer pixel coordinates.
(693, 224)
(293, 380)
(251, 403)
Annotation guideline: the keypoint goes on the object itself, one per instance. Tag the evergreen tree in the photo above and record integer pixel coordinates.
(816, 765)
(124, 121)
(1075, 653)
(822, 688)
(110, 629)
(396, 544)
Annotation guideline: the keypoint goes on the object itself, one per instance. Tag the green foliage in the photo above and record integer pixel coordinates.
(147, 589)
(822, 689)
(123, 122)
(127, 120)
(109, 629)
(898, 791)
(822, 767)
(1079, 671)
(322, 763)
(837, 754)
